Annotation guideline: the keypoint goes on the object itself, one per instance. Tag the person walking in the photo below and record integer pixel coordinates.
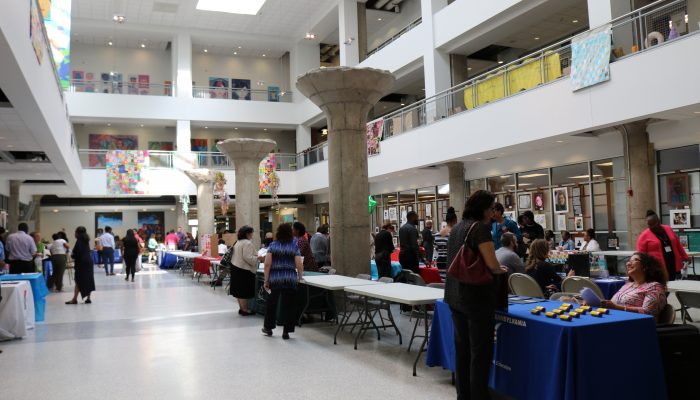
(152, 246)
(283, 271)
(501, 225)
(245, 265)
(383, 247)
(59, 258)
(474, 307)
(307, 255)
(84, 269)
(660, 241)
(442, 237)
(132, 250)
(428, 241)
(409, 254)
(22, 249)
(108, 246)
(319, 246)
(98, 247)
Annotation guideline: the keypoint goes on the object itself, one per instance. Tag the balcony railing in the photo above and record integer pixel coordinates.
(95, 159)
(208, 92)
(396, 36)
(312, 155)
(115, 87)
(630, 35)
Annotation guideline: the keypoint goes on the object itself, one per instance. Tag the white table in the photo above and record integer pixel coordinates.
(411, 295)
(16, 309)
(685, 286)
(331, 283)
(614, 253)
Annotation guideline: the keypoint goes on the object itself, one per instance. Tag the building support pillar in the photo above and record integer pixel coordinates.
(455, 171)
(13, 209)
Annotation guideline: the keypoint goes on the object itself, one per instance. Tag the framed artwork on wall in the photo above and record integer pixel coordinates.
(678, 191)
(525, 201)
(218, 87)
(144, 84)
(152, 223)
(539, 201)
(273, 93)
(560, 198)
(541, 219)
(111, 219)
(578, 224)
(240, 89)
(508, 201)
(680, 219)
(561, 222)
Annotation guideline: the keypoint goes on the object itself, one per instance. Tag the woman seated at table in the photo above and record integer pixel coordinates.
(540, 270)
(645, 293)
(567, 243)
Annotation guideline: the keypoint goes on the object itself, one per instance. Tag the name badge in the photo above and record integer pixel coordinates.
(668, 249)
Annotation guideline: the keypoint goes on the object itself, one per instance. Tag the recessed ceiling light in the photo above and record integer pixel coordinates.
(309, 36)
(235, 53)
(500, 61)
(143, 45)
(55, 210)
(264, 55)
(206, 127)
(206, 51)
(235, 129)
(247, 7)
(469, 68)
(537, 38)
(575, 21)
(379, 19)
(265, 129)
(560, 141)
(403, 104)
(119, 18)
(141, 125)
(109, 43)
(533, 175)
(109, 124)
(10, 146)
(240, 47)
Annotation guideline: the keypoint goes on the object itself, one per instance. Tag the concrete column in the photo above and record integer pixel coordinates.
(436, 63)
(362, 30)
(346, 95)
(36, 217)
(349, 35)
(181, 216)
(246, 154)
(204, 179)
(13, 209)
(181, 63)
(455, 171)
(639, 168)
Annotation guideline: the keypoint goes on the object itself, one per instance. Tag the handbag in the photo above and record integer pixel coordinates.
(226, 258)
(468, 266)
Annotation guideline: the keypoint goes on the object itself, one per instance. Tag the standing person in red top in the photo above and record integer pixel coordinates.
(171, 240)
(659, 241)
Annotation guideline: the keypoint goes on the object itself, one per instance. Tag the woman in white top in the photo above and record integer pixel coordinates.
(589, 242)
(58, 248)
(245, 265)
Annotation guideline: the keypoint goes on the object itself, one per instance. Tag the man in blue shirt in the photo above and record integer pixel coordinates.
(108, 245)
(501, 224)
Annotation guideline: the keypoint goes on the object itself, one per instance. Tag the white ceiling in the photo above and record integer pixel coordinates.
(14, 134)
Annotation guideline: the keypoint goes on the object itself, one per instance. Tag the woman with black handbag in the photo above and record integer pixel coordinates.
(474, 289)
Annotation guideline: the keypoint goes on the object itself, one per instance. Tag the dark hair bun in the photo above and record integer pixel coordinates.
(650, 213)
(451, 210)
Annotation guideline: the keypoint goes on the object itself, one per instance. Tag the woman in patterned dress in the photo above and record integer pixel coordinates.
(645, 293)
(283, 270)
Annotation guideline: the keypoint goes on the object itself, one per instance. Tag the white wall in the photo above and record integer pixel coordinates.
(410, 11)
(269, 70)
(72, 217)
(286, 140)
(98, 59)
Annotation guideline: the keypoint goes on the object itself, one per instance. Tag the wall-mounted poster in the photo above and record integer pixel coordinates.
(386, 214)
(590, 54)
(133, 84)
(167, 88)
(561, 222)
(578, 224)
(428, 210)
(541, 219)
(124, 170)
(404, 215)
(525, 201)
(36, 33)
(199, 145)
(218, 87)
(159, 160)
(677, 190)
(273, 93)
(109, 142)
(240, 89)
(508, 201)
(560, 197)
(539, 201)
(684, 241)
(144, 84)
(57, 20)
(78, 80)
(374, 137)
(152, 223)
(161, 146)
(578, 241)
(111, 219)
(680, 219)
(392, 214)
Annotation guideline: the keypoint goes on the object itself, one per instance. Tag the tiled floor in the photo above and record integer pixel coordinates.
(168, 337)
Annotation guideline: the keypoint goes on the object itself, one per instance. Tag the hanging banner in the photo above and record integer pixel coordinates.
(590, 53)
(125, 172)
(374, 137)
(265, 173)
(56, 14)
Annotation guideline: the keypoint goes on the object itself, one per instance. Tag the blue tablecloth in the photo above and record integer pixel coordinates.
(610, 286)
(96, 259)
(536, 357)
(395, 269)
(39, 291)
(168, 261)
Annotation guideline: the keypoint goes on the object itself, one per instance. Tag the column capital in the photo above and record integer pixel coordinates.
(241, 149)
(201, 175)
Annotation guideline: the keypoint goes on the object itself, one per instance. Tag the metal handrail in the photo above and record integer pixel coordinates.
(538, 55)
(123, 87)
(227, 93)
(396, 36)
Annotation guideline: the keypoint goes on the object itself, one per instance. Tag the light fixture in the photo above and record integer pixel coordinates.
(537, 38)
(605, 164)
(403, 104)
(141, 125)
(235, 129)
(686, 18)
(246, 7)
(109, 43)
(670, 24)
(172, 209)
(235, 53)
(144, 209)
(55, 210)
(206, 127)
(379, 19)
(579, 177)
(265, 129)
(111, 73)
(533, 175)
(324, 131)
(309, 36)
(575, 21)
(206, 51)
(505, 176)
(696, 112)
(120, 19)
(240, 47)
(109, 124)
(469, 68)
(560, 141)
(500, 61)
(143, 45)
(264, 55)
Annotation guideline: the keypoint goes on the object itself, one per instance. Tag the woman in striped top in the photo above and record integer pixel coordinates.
(283, 270)
(442, 237)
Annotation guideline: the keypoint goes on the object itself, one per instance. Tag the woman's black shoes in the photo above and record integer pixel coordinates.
(88, 301)
(245, 313)
(267, 332)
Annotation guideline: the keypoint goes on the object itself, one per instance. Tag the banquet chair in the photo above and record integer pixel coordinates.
(524, 285)
(413, 278)
(559, 295)
(688, 300)
(667, 315)
(376, 306)
(70, 267)
(574, 284)
(356, 303)
(418, 315)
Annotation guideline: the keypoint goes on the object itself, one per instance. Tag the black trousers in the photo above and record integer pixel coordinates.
(473, 352)
(409, 261)
(22, 267)
(130, 263)
(383, 260)
(287, 303)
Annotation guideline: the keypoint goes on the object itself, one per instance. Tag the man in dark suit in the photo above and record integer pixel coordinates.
(383, 247)
(408, 242)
